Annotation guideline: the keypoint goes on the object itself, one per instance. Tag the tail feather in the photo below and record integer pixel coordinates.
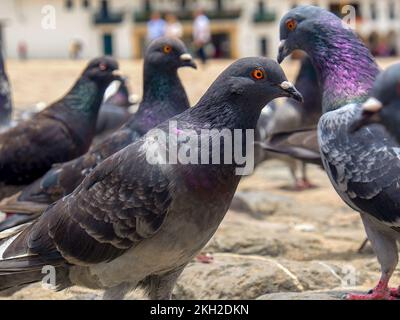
(19, 267)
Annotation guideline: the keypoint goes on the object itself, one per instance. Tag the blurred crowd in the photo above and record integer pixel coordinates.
(170, 26)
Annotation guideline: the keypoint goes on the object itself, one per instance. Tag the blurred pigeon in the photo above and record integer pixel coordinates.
(163, 98)
(134, 222)
(384, 104)
(114, 111)
(5, 95)
(363, 167)
(61, 132)
(291, 116)
(299, 144)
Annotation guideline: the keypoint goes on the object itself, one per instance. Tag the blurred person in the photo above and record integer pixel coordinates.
(75, 49)
(201, 34)
(156, 27)
(173, 27)
(22, 50)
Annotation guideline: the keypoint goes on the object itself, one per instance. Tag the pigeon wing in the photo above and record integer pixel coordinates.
(363, 166)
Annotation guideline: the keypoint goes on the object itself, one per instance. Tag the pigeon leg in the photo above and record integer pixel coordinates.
(384, 244)
(307, 184)
(160, 286)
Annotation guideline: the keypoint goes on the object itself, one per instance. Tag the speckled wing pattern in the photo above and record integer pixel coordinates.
(364, 166)
(123, 201)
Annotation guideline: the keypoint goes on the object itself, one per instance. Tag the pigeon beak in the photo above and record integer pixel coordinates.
(291, 91)
(369, 114)
(283, 51)
(187, 61)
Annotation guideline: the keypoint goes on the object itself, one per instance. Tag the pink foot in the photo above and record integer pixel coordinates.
(302, 185)
(375, 295)
(395, 292)
(205, 258)
(308, 184)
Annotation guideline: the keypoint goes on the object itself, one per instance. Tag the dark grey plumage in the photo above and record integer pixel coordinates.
(384, 104)
(5, 94)
(61, 132)
(131, 222)
(290, 116)
(114, 111)
(163, 98)
(363, 167)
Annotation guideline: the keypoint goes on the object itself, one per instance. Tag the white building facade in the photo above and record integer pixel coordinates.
(118, 27)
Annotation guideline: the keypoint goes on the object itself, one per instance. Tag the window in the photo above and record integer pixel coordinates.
(372, 9)
(392, 10)
(69, 4)
(261, 6)
(263, 46)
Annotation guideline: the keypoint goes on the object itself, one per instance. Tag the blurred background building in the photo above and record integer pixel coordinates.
(87, 28)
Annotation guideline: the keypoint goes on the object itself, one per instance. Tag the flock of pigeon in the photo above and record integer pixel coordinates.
(106, 218)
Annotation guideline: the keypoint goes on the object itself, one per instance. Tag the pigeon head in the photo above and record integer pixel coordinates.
(237, 96)
(102, 70)
(384, 104)
(170, 53)
(346, 68)
(259, 80)
(302, 27)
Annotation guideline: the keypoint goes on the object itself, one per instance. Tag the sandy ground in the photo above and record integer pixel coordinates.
(308, 227)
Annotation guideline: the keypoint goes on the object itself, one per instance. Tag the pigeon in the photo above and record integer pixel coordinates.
(5, 95)
(384, 103)
(163, 98)
(291, 116)
(301, 144)
(61, 132)
(114, 111)
(363, 167)
(139, 218)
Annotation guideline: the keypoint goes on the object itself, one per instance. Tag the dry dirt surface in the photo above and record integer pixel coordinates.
(273, 244)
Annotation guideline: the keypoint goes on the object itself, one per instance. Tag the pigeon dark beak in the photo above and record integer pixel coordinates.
(369, 114)
(291, 91)
(187, 61)
(283, 51)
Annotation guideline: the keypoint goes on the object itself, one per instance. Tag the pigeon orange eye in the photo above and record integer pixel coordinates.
(167, 49)
(102, 67)
(258, 74)
(291, 24)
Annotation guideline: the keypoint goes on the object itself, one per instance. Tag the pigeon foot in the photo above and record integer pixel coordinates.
(205, 258)
(380, 292)
(302, 185)
(395, 292)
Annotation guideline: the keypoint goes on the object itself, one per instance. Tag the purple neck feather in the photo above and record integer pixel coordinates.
(346, 68)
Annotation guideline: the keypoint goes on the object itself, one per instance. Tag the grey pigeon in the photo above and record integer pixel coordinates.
(363, 167)
(163, 98)
(59, 133)
(134, 222)
(114, 111)
(384, 104)
(5, 94)
(290, 116)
